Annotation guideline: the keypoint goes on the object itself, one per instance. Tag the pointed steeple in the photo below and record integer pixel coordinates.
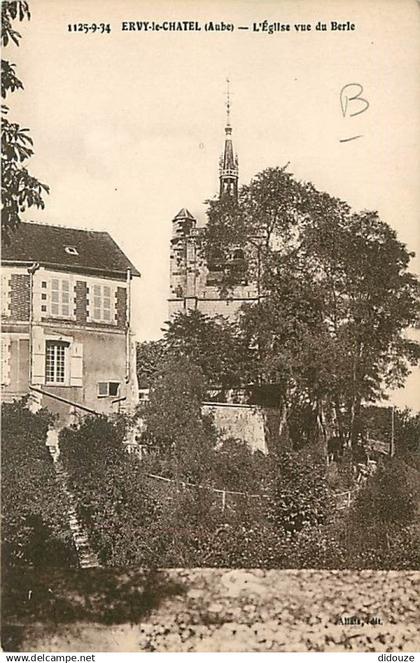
(229, 172)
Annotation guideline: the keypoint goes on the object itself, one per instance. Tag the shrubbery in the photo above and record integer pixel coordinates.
(135, 520)
(381, 528)
(110, 491)
(299, 492)
(34, 520)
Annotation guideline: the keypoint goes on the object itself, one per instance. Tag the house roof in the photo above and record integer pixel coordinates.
(69, 248)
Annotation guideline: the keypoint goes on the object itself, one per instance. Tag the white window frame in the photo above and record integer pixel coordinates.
(107, 383)
(66, 362)
(101, 299)
(64, 293)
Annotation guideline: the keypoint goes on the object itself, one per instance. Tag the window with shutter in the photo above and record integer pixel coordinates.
(5, 295)
(60, 299)
(76, 365)
(5, 360)
(101, 308)
(38, 357)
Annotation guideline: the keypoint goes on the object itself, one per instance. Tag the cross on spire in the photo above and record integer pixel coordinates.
(228, 102)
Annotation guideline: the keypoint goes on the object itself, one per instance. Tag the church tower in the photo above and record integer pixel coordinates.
(195, 284)
(229, 171)
(183, 263)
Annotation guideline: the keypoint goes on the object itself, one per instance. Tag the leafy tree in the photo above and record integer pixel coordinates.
(336, 296)
(151, 356)
(369, 299)
(34, 518)
(407, 433)
(175, 425)
(211, 343)
(236, 467)
(20, 190)
(266, 209)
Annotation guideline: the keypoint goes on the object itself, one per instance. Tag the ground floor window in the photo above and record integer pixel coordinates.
(56, 362)
(108, 389)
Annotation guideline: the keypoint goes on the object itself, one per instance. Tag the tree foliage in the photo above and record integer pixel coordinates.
(150, 358)
(213, 344)
(336, 295)
(382, 530)
(299, 492)
(109, 487)
(20, 190)
(174, 423)
(135, 520)
(34, 519)
(407, 436)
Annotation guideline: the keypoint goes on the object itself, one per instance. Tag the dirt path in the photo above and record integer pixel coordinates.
(233, 610)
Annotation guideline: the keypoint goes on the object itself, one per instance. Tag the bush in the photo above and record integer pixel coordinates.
(236, 467)
(35, 528)
(110, 491)
(299, 491)
(381, 527)
(176, 429)
(133, 519)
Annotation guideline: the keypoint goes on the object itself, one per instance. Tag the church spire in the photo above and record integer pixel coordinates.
(229, 172)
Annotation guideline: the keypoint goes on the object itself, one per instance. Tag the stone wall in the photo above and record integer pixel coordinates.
(243, 422)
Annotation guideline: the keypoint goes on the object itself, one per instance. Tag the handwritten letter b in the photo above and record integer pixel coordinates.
(349, 95)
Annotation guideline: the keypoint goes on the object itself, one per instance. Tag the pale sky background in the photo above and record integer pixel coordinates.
(128, 126)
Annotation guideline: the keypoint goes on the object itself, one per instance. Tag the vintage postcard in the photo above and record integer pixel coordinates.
(210, 344)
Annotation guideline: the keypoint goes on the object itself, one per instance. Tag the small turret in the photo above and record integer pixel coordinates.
(183, 223)
(183, 259)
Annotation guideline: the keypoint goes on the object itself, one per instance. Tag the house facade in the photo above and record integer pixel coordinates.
(66, 334)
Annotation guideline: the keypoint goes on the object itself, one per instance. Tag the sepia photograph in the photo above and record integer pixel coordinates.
(210, 326)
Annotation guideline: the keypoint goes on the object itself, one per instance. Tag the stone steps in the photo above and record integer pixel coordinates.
(87, 558)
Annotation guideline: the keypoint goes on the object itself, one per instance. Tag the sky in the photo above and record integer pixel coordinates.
(128, 126)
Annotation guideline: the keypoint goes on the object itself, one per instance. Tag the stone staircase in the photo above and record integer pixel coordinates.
(87, 558)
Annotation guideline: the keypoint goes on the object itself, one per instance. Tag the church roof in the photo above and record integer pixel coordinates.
(74, 249)
(229, 161)
(184, 214)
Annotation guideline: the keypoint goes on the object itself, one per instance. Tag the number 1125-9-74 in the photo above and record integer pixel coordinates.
(102, 28)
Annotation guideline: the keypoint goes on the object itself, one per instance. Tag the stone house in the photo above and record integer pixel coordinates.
(66, 331)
